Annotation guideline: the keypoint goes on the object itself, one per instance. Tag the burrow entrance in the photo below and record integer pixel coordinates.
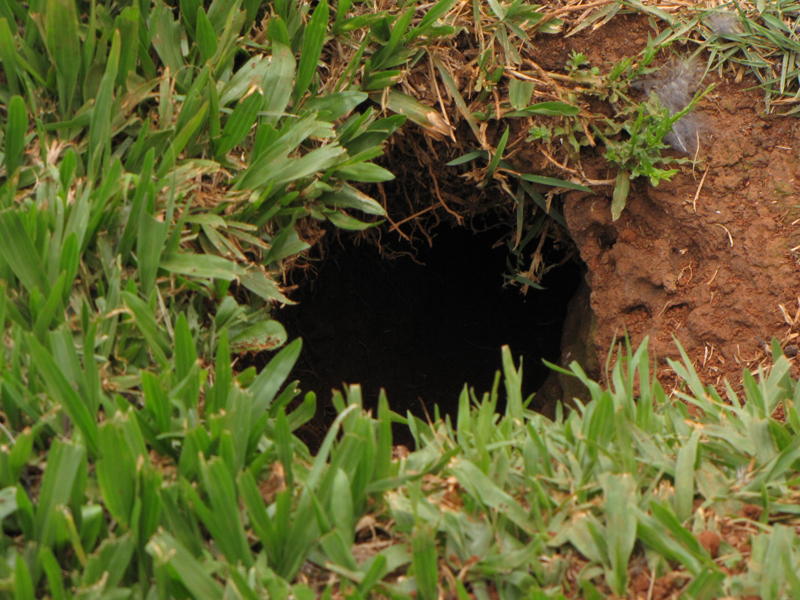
(422, 327)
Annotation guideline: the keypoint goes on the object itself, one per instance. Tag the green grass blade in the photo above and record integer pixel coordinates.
(620, 495)
(61, 390)
(166, 37)
(156, 402)
(64, 46)
(205, 266)
(520, 93)
(8, 57)
(23, 582)
(52, 307)
(110, 561)
(313, 40)
(486, 491)
(181, 139)
(549, 109)
(265, 387)
(143, 194)
(100, 126)
(554, 182)
(239, 123)
(224, 521)
(342, 509)
(425, 562)
(19, 253)
(259, 517)
(146, 322)
(166, 550)
(64, 462)
(685, 477)
(619, 198)
(365, 172)
(277, 82)
(150, 241)
(116, 472)
(205, 35)
(128, 24)
(16, 129)
(52, 571)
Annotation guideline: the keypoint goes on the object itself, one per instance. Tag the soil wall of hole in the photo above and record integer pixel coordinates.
(709, 258)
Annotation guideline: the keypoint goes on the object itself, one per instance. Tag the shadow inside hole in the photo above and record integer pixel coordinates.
(421, 331)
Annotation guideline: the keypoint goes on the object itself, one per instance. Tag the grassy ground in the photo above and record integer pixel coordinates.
(164, 166)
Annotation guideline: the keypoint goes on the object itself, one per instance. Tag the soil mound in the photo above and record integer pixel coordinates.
(711, 257)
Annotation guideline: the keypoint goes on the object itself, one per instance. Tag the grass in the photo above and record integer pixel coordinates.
(164, 168)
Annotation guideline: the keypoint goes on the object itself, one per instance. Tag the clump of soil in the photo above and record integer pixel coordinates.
(710, 257)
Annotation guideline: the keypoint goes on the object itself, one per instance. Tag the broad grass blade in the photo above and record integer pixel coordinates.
(8, 57)
(16, 129)
(619, 198)
(23, 582)
(61, 390)
(52, 571)
(265, 387)
(313, 40)
(121, 447)
(486, 491)
(64, 463)
(685, 477)
(100, 127)
(555, 182)
(150, 241)
(19, 253)
(143, 194)
(166, 37)
(181, 139)
(620, 496)
(166, 550)
(277, 82)
(205, 266)
(110, 561)
(223, 520)
(146, 322)
(239, 123)
(64, 46)
(425, 562)
(205, 35)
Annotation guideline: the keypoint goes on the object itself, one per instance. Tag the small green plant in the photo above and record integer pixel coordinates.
(640, 152)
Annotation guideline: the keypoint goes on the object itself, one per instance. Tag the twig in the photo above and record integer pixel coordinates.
(697, 193)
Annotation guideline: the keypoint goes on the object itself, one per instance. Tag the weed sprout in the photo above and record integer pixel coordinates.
(674, 86)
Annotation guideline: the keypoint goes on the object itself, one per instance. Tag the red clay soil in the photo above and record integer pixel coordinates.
(709, 257)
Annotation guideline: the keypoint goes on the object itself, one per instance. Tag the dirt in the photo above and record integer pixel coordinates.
(710, 257)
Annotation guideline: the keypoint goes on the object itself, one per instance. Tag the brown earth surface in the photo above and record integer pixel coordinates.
(709, 257)
(712, 257)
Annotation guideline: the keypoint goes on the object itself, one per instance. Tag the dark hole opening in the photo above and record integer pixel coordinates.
(422, 331)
